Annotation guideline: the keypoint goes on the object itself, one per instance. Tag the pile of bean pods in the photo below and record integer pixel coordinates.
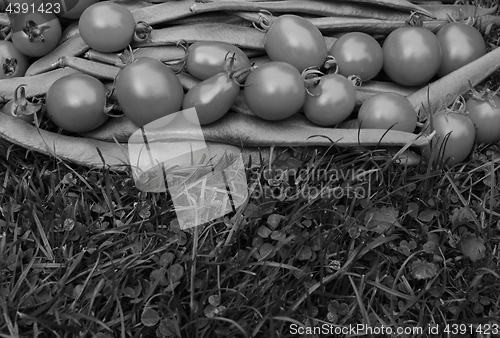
(77, 83)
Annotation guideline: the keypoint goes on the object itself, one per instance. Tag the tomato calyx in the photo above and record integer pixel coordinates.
(22, 106)
(265, 22)
(485, 94)
(355, 80)
(311, 77)
(34, 31)
(9, 67)
(142, 31)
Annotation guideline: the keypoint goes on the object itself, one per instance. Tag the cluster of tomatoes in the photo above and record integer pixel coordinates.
(303, 75)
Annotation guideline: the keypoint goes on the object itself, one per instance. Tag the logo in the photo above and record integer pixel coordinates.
(170, 154)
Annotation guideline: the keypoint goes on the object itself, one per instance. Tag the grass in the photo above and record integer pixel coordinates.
(326, 241)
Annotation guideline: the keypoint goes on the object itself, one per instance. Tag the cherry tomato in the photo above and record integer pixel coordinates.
(358, 54)
(275, 91)
(295, 40)
(486, 118)
(147, 90)
(12, 62)
(207, 58)
(386, 110)
(412, 55)
(460, 44)
(335, 100)
(76, 103)
(35, 33)
(107, 26)
(460, 141)
(212, 97)
(75, 8)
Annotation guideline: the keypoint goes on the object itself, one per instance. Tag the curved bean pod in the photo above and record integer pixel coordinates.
(95, 69)
(315, 7)
(162, 53)
(456, 12)
(251, 131)
(401, 5)
(444, 91)
(243, 37)
(369, 26)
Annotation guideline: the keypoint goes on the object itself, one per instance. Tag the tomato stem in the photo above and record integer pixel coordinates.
(240, 75)
(331, 65)
(415, 20)
(311, 77)
(22, 105)
(265, 21)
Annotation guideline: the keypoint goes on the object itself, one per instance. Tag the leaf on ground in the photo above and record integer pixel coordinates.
(129, 292)
(264, 231)
(166, 259)
(421, 269)
(175, 272)
(279, 236)
(150, 317)
(274, 220)
(380, 220)
(472, 247)
(267, 251)
(168, 328)
(461, 216)
(305, 253)
(427, 215)
(160, 276)
(413, 210)
(214, 300)
(252, 210)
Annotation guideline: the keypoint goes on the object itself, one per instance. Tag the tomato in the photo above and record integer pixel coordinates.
(295, 40)
(275, 91)
(76, 103)
(460, 44)
(412, 56)
(207, 58)
(107, 26)
(13, 63)
(75, 8)
(486, 118)
(35, 33)
(147, 90)
(335, 100)
(212, 98)
(386, 110)
(358, 54)
(460, 141)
